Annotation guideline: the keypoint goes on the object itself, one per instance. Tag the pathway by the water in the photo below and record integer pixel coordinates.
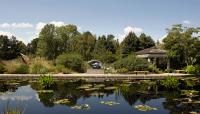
(95, 76)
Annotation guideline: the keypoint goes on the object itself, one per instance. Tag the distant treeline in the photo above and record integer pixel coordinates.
(182, 44)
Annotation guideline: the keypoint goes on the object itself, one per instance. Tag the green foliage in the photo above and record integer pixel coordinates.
(169, 70)
(40, 66)
(130, 44)
(191, 69)
(14, 67)
(182, 46)
(153, 68)
(170, 83)
(32, 47)
(131, 63)
(22, 69)
(189, 83)
(10, 48)
(71, 61)
(63, 69)
(39, 69)
(46, 81)
(2, 68)
(48, 44)
(146, 41)
(122, 70)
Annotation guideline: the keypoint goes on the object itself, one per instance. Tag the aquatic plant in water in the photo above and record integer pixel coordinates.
(109, 103)
(144, 108)
(170, 82)
(62, 101)
(46, 81)
(81, 107)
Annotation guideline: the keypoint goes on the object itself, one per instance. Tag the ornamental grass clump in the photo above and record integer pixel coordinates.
(46, 81)
(41, 66)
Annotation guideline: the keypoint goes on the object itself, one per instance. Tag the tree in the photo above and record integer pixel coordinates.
(67, 34)
(32, 47)
(85, 45)
(146, 41)
(130, 44)
(10, 48)
(182, 45)
(106, 49)
(49, 45)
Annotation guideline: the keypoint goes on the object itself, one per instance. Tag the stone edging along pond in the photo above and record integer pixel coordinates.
(95, 76)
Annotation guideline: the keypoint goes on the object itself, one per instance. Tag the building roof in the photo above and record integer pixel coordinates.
(152, 50)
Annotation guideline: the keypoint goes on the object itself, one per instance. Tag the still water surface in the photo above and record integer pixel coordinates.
(27, 97)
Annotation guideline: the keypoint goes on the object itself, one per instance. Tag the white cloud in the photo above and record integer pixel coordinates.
(10, 35)
(40, 25)
(136, 30)
(129, 29)
(187, 22)
(6, 33)
(16, 25)
(57, 23)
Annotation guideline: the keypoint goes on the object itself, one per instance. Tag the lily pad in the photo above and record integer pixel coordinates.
(85, 86)
(91, 89)
(99, 86)
(45, 91)
(110, 88)
(62, 101)
(81, 107)
(109, 103)
(144, 108)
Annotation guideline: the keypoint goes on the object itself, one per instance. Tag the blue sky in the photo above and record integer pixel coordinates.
(24, 18)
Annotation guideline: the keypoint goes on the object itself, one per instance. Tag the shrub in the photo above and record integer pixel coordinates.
(62, 69)
(11, 66)
(22, 69)
(197, 68)
(169, 70)
(191, 69)
(122, 70)
(71, 61)
(41, 66)
(131, 63)
(170, 83)
(153, 68)
(2, 68)
(46, 81)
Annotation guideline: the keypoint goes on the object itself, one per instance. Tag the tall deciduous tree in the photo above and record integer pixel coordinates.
(182, 45)
(49, 44)
(32, 47)
(86, 45)
(10, 48)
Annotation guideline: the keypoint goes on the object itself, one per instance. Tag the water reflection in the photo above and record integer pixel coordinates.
(133, 93)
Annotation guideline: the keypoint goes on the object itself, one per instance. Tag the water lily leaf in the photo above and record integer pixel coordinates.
(144, 108)
(81, 107)
(62, 101)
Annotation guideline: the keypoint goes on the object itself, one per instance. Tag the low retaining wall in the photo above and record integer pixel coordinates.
(94, 76)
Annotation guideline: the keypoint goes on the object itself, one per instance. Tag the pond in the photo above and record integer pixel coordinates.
(95, 98)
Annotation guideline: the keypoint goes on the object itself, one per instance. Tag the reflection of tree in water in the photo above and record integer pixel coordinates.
(177, 106)
(138, 91)
(8, 86)
(66, 90)
(47, 98)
